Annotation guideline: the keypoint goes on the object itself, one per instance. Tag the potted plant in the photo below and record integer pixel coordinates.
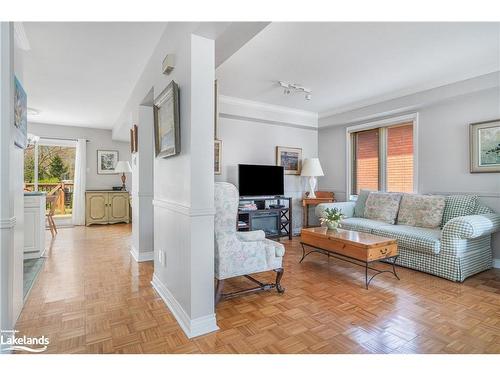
(332, 217)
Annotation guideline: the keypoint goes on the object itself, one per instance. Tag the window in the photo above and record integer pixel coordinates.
(49, 166)
(399, 164)
(366, 169)
(382, 157)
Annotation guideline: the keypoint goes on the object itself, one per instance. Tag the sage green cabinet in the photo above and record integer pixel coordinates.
(107, 207)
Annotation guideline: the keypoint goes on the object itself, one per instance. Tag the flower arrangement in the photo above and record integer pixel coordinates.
(332, 217)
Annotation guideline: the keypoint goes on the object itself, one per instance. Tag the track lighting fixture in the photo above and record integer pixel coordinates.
(296, 88)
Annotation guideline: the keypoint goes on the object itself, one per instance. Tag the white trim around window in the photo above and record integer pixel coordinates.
(412, 117)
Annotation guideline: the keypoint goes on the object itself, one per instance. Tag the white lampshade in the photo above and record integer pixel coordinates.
(311, 167)
(123, 167)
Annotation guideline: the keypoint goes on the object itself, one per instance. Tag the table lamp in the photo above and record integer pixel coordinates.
(312, 168)
(123, 167)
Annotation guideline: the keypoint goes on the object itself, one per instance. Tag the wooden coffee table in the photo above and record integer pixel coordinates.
(355, 247)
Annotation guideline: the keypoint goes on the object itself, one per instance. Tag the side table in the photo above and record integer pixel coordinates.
(320, 198)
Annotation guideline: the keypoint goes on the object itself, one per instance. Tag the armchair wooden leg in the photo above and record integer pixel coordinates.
(279, 275)
(218, 291)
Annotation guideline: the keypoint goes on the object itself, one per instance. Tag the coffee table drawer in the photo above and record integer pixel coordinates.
(382, 252)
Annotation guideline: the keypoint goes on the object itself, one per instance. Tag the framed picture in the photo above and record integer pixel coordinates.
(217, 156)
(106, 161)
(290, 158)
(484, 138)
(20, 115)
(133, 139)
(167, 126)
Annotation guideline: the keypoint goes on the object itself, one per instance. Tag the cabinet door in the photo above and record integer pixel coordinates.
(97, 208)
(118, 207)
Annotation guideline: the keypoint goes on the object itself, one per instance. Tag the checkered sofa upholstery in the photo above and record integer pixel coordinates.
(461, 248)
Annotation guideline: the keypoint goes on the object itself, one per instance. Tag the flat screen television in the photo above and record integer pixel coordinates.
(260, 180)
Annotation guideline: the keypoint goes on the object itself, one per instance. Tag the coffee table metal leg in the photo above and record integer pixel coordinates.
(366, 276)
(303, 253)
(394, 266)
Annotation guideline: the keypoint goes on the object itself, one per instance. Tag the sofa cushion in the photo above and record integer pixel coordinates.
(361, 224)
(424, 211)
(425, 240)
(382, 207)
(481, 209)
(359, 208)
(459, 205)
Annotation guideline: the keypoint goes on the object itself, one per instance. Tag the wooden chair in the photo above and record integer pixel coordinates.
(52, 200)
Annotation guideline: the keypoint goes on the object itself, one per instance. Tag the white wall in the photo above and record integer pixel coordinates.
(246, 141)
(99, 139)
(443, 139)
(11, 186)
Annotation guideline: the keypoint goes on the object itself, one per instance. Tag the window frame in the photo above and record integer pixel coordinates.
(383, 124)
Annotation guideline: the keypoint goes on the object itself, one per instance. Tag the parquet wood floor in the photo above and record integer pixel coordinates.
(91, 297)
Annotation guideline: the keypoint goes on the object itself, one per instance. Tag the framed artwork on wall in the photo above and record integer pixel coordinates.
(133, 139)
(217, 156)
(106, 161)
(484, 138)
(167, 124)
(290, 158)
(20, 115)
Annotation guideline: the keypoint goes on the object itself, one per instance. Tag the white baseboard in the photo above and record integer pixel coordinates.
(496, 263)
(191, 327)
(141, 256)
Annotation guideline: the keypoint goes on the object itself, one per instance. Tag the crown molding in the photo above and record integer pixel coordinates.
(223, 99)
(420, 95)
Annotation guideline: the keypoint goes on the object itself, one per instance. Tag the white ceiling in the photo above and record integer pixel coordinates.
(81, 74)
(348, 65)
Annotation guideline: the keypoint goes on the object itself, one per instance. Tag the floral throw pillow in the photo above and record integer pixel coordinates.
(382, 207)
(425, 211)
(359, 208)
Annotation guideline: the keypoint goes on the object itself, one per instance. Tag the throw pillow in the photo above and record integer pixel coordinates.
(359, 208)
(382, 207)
(425, 211)
(459, 205)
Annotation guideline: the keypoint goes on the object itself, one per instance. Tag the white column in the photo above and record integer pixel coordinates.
(142, 187)
(184, 195)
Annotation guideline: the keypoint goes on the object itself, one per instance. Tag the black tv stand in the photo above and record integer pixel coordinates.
(275, 222)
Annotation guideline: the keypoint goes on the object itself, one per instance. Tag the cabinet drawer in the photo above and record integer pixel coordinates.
(382, 252)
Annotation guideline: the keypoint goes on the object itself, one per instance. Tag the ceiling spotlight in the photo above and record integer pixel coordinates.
(295, 87)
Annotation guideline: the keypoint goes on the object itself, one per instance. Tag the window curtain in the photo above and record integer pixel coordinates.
(80, 182)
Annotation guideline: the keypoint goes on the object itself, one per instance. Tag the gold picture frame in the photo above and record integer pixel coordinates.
(290, 158)
(484, 138)
(217, 157)
(167, 122)
(133, 139)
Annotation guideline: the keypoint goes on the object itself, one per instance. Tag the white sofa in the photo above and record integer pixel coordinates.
(458, 249)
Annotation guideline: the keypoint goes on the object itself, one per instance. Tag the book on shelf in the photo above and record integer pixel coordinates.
(247, 207)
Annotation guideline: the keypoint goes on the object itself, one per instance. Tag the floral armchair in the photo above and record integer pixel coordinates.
(241, 253)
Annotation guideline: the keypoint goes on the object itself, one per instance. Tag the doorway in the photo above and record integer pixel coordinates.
(49, 166)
